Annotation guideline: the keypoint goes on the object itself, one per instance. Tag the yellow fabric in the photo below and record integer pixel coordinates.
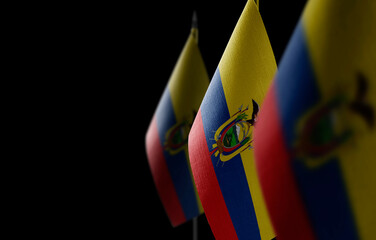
(247, 68)
(188, 82)
(341, 37)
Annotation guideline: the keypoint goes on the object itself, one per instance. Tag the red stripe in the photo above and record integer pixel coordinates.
(207, 184)
(281, 194)
(161, 175)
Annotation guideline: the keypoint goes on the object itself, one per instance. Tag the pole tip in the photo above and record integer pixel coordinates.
(194, 20)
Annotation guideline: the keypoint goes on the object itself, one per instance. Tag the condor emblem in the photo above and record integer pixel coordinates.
(176, 138)
(234, 136)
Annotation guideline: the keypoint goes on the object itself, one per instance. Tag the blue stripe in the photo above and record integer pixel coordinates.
(327, 203)
(296, 89)
(322, 188)
(177, 164)
(230, 175)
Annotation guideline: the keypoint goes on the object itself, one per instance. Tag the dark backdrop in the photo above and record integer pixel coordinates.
(132, 50)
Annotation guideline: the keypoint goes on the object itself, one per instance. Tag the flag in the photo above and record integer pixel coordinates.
(315, 141)
(220, 142)
(167, 136)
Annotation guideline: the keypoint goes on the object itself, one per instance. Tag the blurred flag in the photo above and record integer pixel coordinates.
(315, 141)
(167, 136)
(221, 141)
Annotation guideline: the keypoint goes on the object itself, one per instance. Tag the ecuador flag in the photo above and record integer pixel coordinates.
(221, 141)
(167, 136)
(315, 141)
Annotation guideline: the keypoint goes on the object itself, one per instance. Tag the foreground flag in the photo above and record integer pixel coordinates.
(167, 136)
(220, 142)
(315, 143)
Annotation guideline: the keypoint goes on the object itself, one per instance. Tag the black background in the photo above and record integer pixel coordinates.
(125, 59)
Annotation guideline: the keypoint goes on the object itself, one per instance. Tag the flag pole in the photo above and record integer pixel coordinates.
(195, 228)
(194, 32)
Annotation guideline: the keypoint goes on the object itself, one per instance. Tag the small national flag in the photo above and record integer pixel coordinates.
(221, 139)
(315, 141)
(167, 136)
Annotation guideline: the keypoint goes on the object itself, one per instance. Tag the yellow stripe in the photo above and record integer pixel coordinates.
(247, 68)
(341, 35)
(188, 82)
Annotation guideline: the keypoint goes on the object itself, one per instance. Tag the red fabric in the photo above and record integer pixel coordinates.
(207, 184)
(161, 176)
(276, 176)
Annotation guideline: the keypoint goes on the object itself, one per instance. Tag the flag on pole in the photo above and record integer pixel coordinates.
(315, 141)
(167, 136)
(221, 140)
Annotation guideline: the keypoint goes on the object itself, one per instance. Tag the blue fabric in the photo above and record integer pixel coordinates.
(177, 164)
